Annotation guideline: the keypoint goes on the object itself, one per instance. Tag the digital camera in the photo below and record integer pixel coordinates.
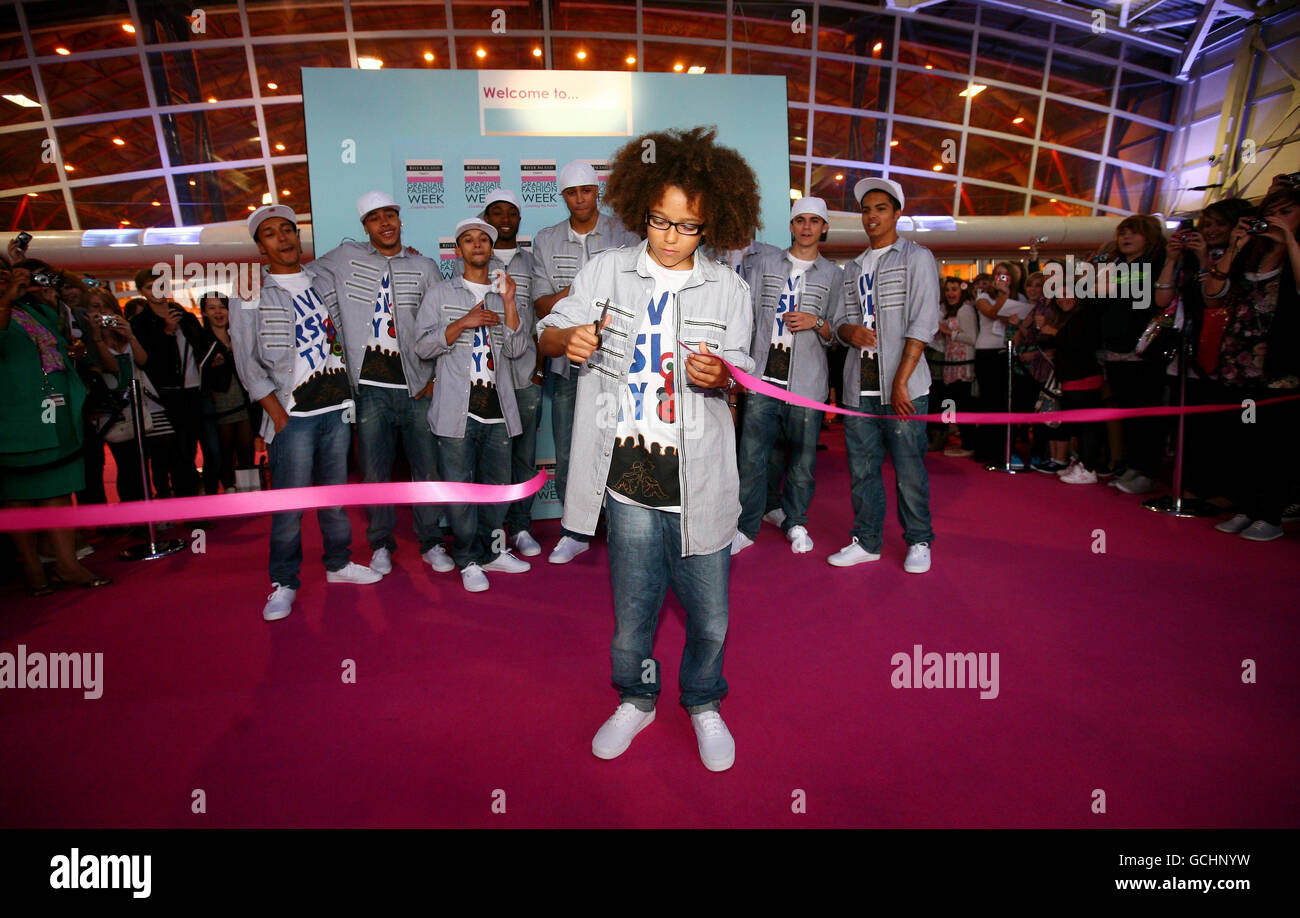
(1256, 226)
(47, 279)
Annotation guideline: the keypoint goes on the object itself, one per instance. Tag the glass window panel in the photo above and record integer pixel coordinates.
(926, 197)
(977, 200)
(1080, 79)
(285, 125)
(662, 56)
(508, 52)
(280, 64)
(520, 14)
(1087, 40)
(12, 47)
(797, 130)
(1137, 143)
(218, 196)
(926, 44)
(772, 24)
(796, 176)
(1152, 60)
(400, 54)
(171, 22)
(934, 98)
(106, 206)
(997, 109)
(45, 211)
(964, 12)
(1071, 176)
(18, 82)
(996, 160)
(686, 19)
(1052, 207)
(291, 182)
(21, 159)
(856, 137)
(50, 29)
(1012, 61)
(295, 17)
(921, 146)
(1021, 22)
(581, 16)
(794, 69)
(1071, 126)
(1128, 190)
(213, 135)
(90, 87)
(853, 84)
(602, 54)
(199, 75)
(382, 16)
(90, 147)
(837, 192)
(857, 32)
(1145, 95)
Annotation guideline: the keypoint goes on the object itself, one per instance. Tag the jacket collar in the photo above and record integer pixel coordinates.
(600, 229)
(636, 259)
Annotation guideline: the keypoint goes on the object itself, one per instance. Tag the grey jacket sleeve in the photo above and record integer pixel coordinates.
(922, 296)
(836, 314)
(253, 373)
(740, 325)
(431, 325)
(542, 285)
(516, 338)
(574, 309)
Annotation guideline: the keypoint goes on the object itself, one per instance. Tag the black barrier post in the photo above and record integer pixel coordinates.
(1005, 467)
(146, 551)
(1175, 504)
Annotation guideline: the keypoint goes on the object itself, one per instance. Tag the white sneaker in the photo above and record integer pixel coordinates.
(918, 558)
(438, 559)
(507, 563)
(717, 748)
(567, 549)
(1234, 525)
(617, 733)
(473, 578)
(1068, 469)
(1127, 475)
(1260, 531)
(740, 543)
(381, 562)
(1138, 484)
(775, 517)
(527, 545)
(353, 573)
(1079, 474)
(279, 604)
(799, 540)
(852, 554)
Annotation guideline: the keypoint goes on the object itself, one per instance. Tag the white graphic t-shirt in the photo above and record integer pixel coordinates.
(381, 364)
(777, 368)
(643, 468)
(484, 403)
(320, 380)
(869, 378)
(506, 255)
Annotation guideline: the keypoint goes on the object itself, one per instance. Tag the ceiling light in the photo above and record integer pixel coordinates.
(630, 59)
(155, 203)
(839, 176)
(280, 147)
(32, 194)
(893, 143)
(369, 63)
(124, 222)
(1051, 200)
(929, 66)
(803, 139)
(128, 28)
(192, 182)
(537, 52)
(119, 141)
(212, 99)
(272, 85)
(582, 55)
(1019, 120)
(428, 56)
(251, 208)
(679, 67)
(795, 194)
(61, 50)
(266, 197)
(67, 168)
(20, 99)
(973, 90)
(255, 139)
(284, 192)
(877, 47)
(480, 54)
(938, 167)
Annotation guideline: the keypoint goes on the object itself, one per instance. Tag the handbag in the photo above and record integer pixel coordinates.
(1049, 399)
(1159, 340)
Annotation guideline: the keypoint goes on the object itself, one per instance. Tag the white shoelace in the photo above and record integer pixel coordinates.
(710, 723)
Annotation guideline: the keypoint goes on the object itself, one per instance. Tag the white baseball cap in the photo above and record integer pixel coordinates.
(879, 184)
(475, 223)
(373, 200)
(266, 212)
(815, 206)
(576, 174)
(502, 194)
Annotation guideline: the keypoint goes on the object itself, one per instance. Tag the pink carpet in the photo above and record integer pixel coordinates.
(1119, 671)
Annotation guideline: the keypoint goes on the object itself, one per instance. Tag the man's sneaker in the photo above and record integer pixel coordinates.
(852, 554)
(353, 573)
(775, 517)
(617, 733)
(1127, 474)
(1079, 474)
(526, 545)
(799, 540)
(740, 542)
(918, 558)
(1068, 468)
(1050, 467)
(959, 452)
(1260, 531)
(438, 559)
(507, 563)
(279, 604)
(1138, 484)
(1112, 470)
(566, 550)
(1017, 464)
(1234, 525)
(473, 578)
(381, 562)
(717, 748)
(1291, 514)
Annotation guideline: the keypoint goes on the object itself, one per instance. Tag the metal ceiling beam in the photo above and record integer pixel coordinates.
(1059, 12)
(1204, 23)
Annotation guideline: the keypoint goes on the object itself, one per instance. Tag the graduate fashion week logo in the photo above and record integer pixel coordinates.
(424, 185)
(537, 183)
(482, 177)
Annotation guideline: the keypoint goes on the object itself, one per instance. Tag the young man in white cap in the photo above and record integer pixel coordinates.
(471, 325)
(380, 285)
(891, 309)
(797, 299)
(559, 252)
(290, 357)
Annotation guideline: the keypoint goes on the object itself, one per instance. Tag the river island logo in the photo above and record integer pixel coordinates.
(601, 167)
(424, 186)
(537, 183)
(482, 177)
(447, 255)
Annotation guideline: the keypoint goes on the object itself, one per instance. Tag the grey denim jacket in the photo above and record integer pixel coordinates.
(358, 268)
(444, 303)
(907, 306)
(521, 270)
(263, 335)
(713, 306)
(558, 255)
(822, 294)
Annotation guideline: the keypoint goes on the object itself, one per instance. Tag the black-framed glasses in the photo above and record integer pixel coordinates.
(663, 223)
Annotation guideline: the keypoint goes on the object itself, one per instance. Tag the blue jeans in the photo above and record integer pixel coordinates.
(767, 420)
(481, 456)
(523, 455)
(564, 397)
(382, 414)
(645, 548)
(312, 450)
(866, 440)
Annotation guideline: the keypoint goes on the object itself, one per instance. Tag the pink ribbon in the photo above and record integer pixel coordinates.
(256, 503)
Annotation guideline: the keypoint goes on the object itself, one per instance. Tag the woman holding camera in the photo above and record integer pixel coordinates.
(120, 353)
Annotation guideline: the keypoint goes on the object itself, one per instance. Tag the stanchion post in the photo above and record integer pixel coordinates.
(146, 551)
(1005, 467)
(1175, 504)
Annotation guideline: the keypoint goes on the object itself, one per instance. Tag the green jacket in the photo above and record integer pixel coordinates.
(21, 380)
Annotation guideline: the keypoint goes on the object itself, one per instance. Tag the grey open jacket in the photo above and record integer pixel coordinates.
(907, 306)
(358, 268)
(713, 306)
(444, 303)
(821, 294)
(263, 338)
(558, 255)
(520, 269)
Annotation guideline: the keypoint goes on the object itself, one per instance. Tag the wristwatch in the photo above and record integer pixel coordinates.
(820, 322)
